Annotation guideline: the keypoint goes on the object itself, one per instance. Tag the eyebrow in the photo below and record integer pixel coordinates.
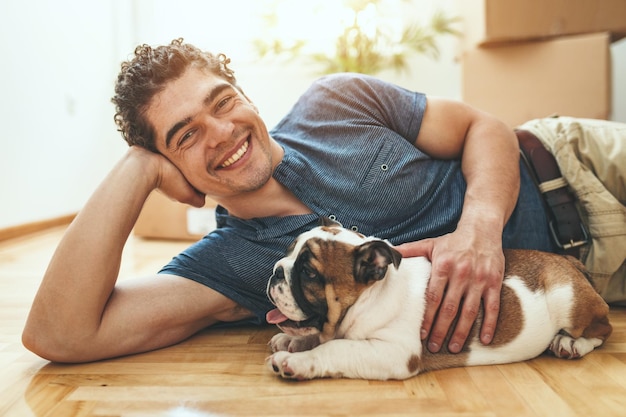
(174, 129)
(207, 100)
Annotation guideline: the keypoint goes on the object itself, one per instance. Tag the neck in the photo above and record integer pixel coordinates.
(273, 200)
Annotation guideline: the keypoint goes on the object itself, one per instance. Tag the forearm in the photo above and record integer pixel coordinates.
(468, 264)
(489, 153)
(83, 271)
(490, 164)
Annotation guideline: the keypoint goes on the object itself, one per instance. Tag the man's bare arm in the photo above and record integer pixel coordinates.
(468, 264)
(79, 314)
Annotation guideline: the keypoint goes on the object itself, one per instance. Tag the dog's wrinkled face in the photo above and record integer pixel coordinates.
(323, 274)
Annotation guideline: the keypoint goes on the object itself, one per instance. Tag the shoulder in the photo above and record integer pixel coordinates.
(345, 78)
(336, 100)
(359, 91)
(348, 81)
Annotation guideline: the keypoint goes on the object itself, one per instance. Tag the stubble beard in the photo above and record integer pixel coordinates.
(255, 177)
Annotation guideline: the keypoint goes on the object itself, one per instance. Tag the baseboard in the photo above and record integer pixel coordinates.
(34, 227)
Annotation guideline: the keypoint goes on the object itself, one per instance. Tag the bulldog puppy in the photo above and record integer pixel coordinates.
(351, 307)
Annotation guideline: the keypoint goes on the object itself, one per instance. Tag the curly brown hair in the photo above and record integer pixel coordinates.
(146, 74)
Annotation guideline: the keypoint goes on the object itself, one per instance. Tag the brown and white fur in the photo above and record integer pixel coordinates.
(349, 306)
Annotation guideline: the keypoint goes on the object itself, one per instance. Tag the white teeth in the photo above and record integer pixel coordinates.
(236, 156)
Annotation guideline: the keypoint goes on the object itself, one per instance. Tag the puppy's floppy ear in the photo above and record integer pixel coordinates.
(372, 258)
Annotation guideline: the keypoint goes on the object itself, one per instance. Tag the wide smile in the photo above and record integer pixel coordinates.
(237, 155)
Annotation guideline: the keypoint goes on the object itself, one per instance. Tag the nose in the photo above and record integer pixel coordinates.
(219, 131)
(279, 273)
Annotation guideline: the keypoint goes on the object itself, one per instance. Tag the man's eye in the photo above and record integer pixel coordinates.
(224, 102)
(185, 137)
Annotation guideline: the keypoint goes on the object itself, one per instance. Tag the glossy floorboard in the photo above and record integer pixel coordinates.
(222, 373)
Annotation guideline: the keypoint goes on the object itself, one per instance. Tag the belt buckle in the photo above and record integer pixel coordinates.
(571, 244)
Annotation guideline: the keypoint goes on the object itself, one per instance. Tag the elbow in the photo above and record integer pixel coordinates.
(30, 342)
(40, 345)
(52, 347)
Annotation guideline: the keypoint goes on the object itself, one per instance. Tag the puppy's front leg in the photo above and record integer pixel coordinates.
(342, 358)
(289, 343)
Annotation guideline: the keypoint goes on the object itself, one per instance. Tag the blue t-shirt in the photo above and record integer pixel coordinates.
(349, 155)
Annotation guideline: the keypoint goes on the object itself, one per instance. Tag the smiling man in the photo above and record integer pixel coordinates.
(204, 124)
(434, 176)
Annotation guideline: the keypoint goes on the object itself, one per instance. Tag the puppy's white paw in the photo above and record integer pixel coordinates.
(291, 365)
(285, 342)
(566, 347)
(279, 342)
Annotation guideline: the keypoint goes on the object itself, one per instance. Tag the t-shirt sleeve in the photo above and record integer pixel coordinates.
(360, 99)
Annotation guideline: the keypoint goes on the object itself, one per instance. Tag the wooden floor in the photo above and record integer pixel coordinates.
(222, 372)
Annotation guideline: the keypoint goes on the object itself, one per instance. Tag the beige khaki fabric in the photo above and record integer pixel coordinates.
(592, 157)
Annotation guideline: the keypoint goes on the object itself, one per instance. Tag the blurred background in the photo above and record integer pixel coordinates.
(59, 61)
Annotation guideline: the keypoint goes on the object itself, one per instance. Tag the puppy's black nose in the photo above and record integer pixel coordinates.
(279, 273)
(277, 276)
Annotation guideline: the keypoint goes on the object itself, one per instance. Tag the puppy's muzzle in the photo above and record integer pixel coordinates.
(277, 277)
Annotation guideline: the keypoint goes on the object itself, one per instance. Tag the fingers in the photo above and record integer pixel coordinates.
(436, 284)
(185, 194)
(465, 290)
(195, 199)
(434, 295)
(419, 248)
(459, 283)
(492, 310)
(470, 306)
(172, 183)
(445, 314)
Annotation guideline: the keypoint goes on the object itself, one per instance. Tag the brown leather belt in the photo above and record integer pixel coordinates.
(566, 226)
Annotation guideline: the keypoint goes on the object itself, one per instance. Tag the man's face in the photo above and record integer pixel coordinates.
(213, 134)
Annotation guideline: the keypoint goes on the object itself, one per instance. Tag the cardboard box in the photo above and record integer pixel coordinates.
(162, 218)
(488, 22)
(568, 76)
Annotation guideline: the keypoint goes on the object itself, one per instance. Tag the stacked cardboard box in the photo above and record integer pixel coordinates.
(524, 59)
(162, 218)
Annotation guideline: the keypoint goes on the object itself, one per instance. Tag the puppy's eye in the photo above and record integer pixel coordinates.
(309, 272)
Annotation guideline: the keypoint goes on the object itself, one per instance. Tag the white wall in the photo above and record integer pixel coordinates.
(274, 85)
(57, 138)
(60, 59)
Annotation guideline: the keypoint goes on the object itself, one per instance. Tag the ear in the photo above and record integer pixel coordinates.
(325, 221)
(372, 258)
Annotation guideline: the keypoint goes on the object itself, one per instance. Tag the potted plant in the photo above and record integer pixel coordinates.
(365, 44)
